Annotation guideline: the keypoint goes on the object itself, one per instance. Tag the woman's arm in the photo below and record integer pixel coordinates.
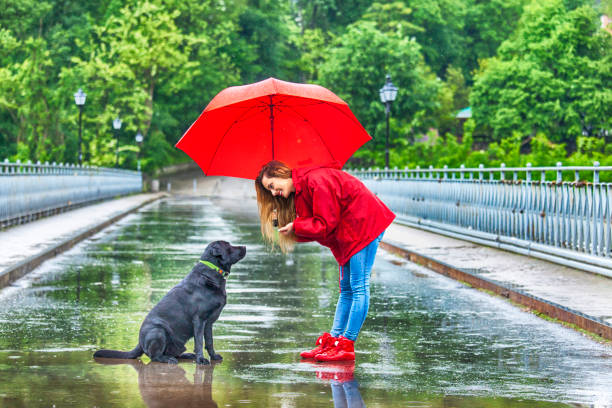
(325, 212)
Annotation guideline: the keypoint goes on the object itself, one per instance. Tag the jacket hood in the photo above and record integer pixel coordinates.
(300, 172)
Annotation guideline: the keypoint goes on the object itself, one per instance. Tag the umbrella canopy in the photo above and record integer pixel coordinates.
(244, 127)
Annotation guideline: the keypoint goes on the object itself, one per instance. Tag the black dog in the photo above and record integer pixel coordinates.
(188, 310)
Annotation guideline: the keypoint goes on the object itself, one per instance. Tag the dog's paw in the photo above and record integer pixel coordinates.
(172, 360)
(216, 357)
(202, 361)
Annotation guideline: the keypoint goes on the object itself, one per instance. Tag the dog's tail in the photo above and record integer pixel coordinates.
(137, 352)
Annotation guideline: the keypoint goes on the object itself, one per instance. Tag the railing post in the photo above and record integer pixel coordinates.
(462, 167)
(559, 172)
(502, 175)
(528, 173)
(445, 176)
(480, 174)
(595, 173)
(430, 171)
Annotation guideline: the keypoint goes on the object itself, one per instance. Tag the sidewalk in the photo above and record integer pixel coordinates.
(26, 246)
(568, 290)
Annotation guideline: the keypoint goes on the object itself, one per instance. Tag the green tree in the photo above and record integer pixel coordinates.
(355, 69)
(24, 18)
(453, 96)
(129, 57)
(31, 103)
(312, 46)
(264, 29)
(216, 58)
(328, 15)
(552, 76)
(442, 39)
(487, 24)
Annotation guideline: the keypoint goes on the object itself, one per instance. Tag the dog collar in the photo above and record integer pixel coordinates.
(216, 268)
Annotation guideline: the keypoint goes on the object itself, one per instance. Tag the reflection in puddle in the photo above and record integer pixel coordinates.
(164, 385)
(341, 378)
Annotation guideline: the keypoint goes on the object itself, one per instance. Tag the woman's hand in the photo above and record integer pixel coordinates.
(286, 229)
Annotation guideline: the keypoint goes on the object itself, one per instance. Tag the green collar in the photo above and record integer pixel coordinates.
(216, 268)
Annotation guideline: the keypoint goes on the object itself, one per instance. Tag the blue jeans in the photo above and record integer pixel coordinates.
(354, 299)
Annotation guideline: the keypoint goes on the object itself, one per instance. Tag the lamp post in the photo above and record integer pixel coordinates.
(79, 99)
(139, 140)
(387, 95)
(117, 126)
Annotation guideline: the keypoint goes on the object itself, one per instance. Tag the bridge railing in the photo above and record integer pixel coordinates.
(30, 190)
(561, 221)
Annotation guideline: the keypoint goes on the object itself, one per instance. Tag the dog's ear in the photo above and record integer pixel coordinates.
(215, 250)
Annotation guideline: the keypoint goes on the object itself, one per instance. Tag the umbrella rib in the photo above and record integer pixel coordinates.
(315, 129)
(230, 128)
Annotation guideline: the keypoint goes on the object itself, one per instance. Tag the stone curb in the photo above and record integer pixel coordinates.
(551, 309)
(20, 269)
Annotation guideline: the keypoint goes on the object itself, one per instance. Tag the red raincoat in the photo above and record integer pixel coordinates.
(337, 210)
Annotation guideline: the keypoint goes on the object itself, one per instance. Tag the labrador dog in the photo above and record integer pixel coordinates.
(188, 310)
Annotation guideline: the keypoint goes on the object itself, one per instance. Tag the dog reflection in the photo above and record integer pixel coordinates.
(166, 385)
(344, 387)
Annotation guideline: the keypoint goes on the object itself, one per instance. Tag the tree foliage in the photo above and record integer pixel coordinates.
(356, 68)
(537, 74)
(552, 76)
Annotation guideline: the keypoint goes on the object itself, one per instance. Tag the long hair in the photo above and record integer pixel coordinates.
(271, 207)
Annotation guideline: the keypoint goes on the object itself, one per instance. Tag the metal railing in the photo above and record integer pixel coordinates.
(562, 221)
(30, 190)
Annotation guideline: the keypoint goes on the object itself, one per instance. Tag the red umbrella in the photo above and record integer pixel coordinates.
(244, 127)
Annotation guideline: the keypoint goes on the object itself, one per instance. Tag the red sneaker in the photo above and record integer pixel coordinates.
(343, 350)
(324, 342)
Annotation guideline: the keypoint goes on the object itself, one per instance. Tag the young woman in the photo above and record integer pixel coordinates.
(327, 205)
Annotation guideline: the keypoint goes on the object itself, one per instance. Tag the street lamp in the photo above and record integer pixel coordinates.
(139, 139)
(117, 126)
(387, 95)
(79, 99)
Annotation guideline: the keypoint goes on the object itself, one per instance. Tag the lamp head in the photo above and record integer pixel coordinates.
(79, 97)
(389, 91)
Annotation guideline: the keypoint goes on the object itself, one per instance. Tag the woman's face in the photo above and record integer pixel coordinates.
(278, 186)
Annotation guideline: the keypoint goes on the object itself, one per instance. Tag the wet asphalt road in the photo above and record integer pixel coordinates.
(428, 341)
